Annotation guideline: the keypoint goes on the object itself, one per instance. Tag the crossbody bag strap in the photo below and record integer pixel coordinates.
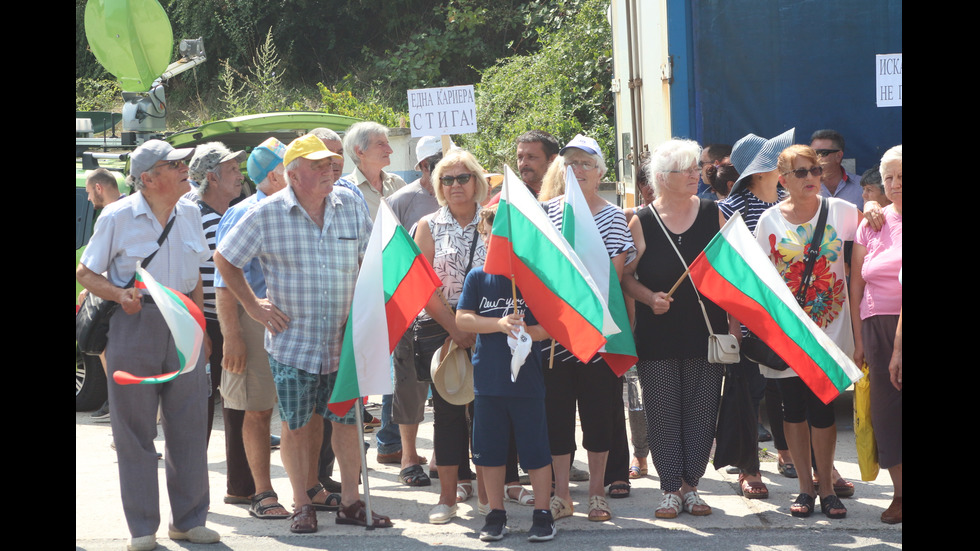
(160, 240)
(680, 257)
(812, 252)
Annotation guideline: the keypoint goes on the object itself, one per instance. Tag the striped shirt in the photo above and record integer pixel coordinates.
(749, 205)
(615, 235)
(209, 221)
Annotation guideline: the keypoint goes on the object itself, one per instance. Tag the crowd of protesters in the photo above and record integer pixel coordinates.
(275, 275)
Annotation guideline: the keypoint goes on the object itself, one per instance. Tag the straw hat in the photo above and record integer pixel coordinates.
(453, 376)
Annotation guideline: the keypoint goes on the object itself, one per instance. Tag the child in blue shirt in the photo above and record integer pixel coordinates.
(486, 307)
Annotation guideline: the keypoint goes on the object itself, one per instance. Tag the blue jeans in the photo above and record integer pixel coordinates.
(389, 438)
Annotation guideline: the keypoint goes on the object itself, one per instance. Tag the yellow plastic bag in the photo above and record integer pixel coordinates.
(867, 448)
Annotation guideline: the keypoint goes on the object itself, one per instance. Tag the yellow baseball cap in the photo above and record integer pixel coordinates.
(309, 147)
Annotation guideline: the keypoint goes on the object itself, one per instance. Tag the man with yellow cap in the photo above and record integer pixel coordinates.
(309, 239)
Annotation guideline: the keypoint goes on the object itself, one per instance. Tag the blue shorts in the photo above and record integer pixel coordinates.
(301, 394)
(493, 417)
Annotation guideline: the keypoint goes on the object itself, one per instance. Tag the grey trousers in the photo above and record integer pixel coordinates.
(142, 345)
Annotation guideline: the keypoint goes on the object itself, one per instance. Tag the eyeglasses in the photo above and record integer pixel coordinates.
(172, 164)
(691, 170)
(825, 152)
(801, 172)
(584, 165)
(463, 179)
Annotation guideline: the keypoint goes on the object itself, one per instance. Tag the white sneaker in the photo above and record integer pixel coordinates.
(197, 534)
(441, 514)
(142, 543)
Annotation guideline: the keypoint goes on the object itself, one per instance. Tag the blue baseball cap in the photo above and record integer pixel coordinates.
(264, 159)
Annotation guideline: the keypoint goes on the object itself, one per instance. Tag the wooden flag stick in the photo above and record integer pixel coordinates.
(678, 284)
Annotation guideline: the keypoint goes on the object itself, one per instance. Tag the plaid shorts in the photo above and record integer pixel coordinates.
(301, 394)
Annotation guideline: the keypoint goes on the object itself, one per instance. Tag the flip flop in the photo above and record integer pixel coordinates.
(618, 490)
(637, 472)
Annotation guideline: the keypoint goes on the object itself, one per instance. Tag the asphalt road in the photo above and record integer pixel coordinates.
(736, 523)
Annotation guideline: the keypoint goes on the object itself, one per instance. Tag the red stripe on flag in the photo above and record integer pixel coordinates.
(619, 363)
(558, 318)
(340, 409)
(409, 298)
(759, 321)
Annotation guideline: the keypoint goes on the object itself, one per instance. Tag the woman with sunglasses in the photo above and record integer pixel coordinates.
(450, 242)
(591, 386)
(786, 232)
(680, 387)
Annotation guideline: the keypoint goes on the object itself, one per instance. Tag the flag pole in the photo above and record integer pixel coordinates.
(359, 419)
(678, 284)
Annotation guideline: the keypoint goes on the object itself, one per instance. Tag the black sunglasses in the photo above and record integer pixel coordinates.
(825, 152)
(463, 179)
(801, 172)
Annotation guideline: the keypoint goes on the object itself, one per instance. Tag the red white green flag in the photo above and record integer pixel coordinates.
(558, 288)
(578, 227)
(393, 285)
(186, 323)
(734, 272)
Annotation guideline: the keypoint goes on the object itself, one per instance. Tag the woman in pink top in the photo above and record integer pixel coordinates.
(876, 264)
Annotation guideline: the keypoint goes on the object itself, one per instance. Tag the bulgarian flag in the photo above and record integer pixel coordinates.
(578, 227)
(186, 323)
(526, 246)
(393, 285)
(734, 272)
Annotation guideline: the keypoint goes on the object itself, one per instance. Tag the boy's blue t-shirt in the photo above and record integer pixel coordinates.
(491, 296)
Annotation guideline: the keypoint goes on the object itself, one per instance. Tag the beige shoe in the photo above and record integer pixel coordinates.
(142, 543)
(561, 508)
(441, 514)
(197, 534)
(576, 474)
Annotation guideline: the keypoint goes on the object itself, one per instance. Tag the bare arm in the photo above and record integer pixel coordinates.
(259, 309)
(895, 366)
(234, 356)
(468, 320)
(437, 307)
(856, 295)
(101, 287)
(657, 300)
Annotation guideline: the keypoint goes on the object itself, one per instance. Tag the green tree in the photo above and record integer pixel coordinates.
(563, 89)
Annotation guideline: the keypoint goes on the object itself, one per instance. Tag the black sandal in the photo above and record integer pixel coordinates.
(831, 502)
(803, 500)
(257, 510)
(414, 476)
(331, 504)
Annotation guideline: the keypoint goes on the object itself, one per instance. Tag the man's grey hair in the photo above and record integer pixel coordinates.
(204, 162)
(359, 136)
(325, 134)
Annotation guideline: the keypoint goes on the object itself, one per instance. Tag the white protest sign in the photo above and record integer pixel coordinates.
(440, 111)
(888, 80)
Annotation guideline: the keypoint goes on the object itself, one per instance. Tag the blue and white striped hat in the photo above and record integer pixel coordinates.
(754, 154)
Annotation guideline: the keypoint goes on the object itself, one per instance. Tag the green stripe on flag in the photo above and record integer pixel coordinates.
(730, 265)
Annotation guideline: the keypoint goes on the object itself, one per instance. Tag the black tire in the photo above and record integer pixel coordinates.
(90, 383)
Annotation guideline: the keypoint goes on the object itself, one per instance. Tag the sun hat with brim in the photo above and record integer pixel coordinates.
(755, 154)
(152, 152)
(264, 159)
(584, 143)
(453, 376)
(309, 147)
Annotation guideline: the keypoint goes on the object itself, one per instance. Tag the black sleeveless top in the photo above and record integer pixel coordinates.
(680, 333)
